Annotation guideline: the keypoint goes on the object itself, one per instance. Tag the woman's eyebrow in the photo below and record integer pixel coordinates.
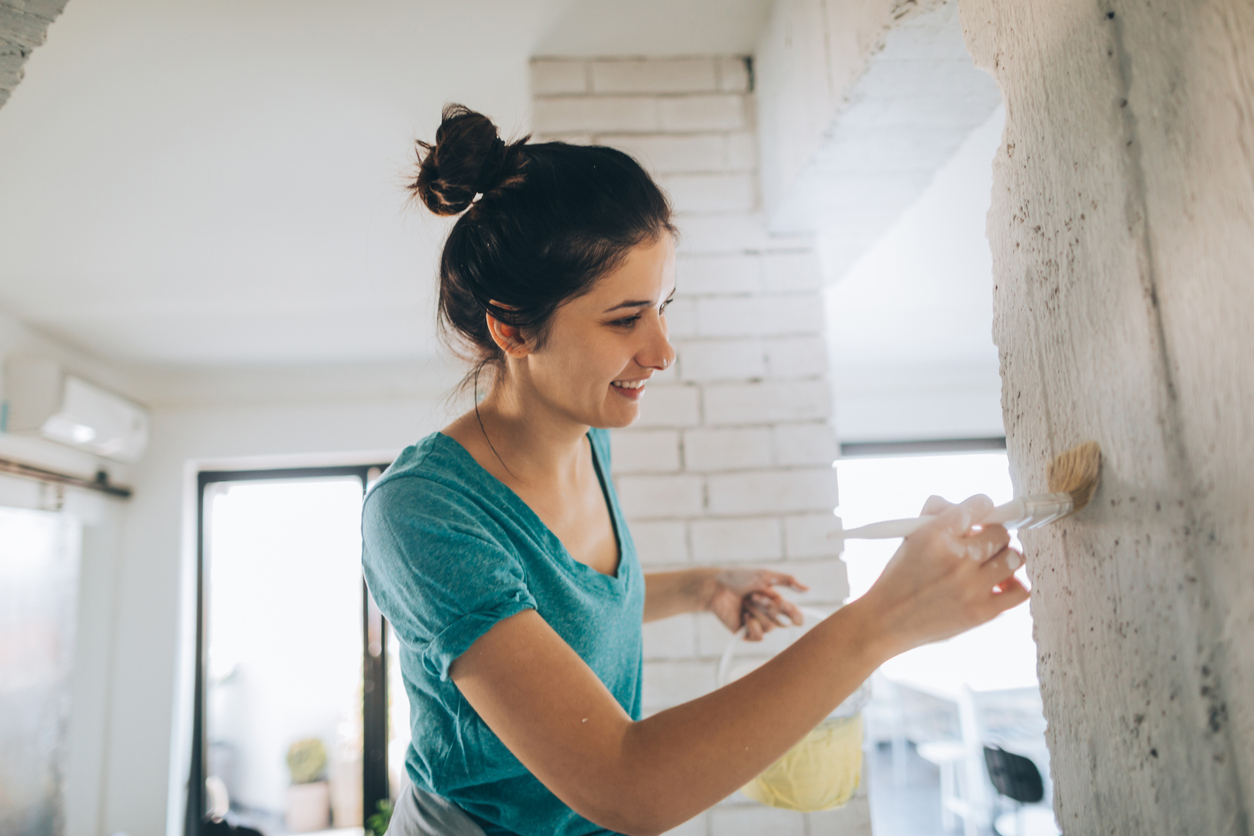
(633, 304)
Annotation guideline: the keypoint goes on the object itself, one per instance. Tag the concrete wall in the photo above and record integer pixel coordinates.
(1122, 230)
(23, 26)
(731, 460)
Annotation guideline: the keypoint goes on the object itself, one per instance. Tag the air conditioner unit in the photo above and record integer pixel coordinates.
(40, 398)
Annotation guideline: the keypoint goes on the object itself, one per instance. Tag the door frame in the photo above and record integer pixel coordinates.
(374, 652)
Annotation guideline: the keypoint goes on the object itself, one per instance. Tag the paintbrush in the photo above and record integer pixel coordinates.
(1072, 476)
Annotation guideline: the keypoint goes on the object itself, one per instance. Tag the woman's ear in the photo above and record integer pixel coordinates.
(507, 337)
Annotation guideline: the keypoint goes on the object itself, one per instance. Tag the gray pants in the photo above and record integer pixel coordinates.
(420, 813)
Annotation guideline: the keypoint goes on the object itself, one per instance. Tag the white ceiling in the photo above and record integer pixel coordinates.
(219, 182)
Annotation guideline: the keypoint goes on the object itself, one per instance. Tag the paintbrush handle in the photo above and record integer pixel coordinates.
(1025, 512)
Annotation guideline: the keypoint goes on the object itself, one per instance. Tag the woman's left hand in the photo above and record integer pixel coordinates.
(747, 598)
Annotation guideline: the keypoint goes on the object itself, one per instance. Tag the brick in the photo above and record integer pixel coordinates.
(741, 151)
(736, 540)
(767, 402)
(669, 683)
(661, 542)
(666, 154)
(671, 638)
(804, 444)
(714, 274)
(645, 451)
(708, 451)
(569, 139)
(693, 827)
(670, 406)
(713, 638)
(595, 114)
(681, 318)
(854, 817)
(805, 535)
(792, 271)
(643, 497)
(662, 75)
(717, 112)
(827, 579)
(711, 192)
(760, 315)
(555, 76)
(772, 491)
(733, 75)
(709, 360)
(721, 233)
(791, 357)
(756, 820)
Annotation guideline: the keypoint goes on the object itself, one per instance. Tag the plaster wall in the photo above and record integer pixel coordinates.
(1122, 230)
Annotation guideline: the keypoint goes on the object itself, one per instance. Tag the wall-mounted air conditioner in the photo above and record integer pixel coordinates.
(40, 398)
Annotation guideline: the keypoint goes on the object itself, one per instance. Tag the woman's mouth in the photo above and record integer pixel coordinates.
(628, 388)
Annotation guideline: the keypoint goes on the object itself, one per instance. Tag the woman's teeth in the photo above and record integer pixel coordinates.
(628, 384)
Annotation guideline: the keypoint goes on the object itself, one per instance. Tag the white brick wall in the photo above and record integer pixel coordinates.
(730, 462)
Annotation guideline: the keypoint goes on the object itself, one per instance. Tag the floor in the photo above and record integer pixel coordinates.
(911, 808)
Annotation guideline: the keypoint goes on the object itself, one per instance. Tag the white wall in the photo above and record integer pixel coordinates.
(731, 460)
(102, 520)
(910, 324)
(150, 720)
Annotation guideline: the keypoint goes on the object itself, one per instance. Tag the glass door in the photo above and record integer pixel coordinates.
(292, 692)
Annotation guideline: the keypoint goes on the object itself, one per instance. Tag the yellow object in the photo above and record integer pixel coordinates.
(821, 772)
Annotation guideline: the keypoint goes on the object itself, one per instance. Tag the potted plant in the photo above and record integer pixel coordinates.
(309, 796)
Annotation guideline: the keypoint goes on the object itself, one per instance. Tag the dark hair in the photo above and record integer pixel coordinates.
(545, 221)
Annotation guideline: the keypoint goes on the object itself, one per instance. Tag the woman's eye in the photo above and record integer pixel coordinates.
(628, 321)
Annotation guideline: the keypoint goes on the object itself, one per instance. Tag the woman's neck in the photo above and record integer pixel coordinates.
(536, 445)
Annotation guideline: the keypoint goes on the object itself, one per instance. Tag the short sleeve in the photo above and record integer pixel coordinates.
(435, 571)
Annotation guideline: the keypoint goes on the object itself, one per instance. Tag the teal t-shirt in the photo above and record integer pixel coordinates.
(448, 551)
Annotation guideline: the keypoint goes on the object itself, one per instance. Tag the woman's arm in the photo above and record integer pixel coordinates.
(674, 593)
(645, 777)
(739, 597)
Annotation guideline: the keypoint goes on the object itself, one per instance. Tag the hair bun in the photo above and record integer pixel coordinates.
(468, 158)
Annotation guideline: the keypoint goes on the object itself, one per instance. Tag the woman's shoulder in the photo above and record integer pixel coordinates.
(431, 471)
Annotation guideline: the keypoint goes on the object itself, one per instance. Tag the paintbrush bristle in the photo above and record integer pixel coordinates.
(1077, 472)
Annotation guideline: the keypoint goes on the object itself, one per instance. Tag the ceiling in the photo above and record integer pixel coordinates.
(219, 183)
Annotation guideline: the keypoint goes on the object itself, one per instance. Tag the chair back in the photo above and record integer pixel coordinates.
(1014, 776)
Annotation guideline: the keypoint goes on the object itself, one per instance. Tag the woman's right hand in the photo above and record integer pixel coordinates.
(947, 577)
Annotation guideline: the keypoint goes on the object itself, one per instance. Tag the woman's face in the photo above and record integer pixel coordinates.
(604, 345)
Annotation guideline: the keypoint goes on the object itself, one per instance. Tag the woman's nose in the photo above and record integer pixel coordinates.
(659, 353)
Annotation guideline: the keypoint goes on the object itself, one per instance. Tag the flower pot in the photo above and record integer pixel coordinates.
(308, 807)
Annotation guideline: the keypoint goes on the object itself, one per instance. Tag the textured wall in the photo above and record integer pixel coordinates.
(23, 26)
(1122, 229)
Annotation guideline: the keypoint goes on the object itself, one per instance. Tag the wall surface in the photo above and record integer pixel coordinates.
(149, 722)
(731, 461)
(1122, 230)
(23, 26)
(861, 102)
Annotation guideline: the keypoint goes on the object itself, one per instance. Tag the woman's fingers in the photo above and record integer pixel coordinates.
(935, 505)
(1001, 566)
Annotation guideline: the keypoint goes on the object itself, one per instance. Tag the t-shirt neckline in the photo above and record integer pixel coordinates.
(602, 479)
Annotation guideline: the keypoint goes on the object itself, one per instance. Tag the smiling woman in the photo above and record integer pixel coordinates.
(498, 551)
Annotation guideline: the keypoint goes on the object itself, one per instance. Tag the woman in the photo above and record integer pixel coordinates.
(497, 549)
